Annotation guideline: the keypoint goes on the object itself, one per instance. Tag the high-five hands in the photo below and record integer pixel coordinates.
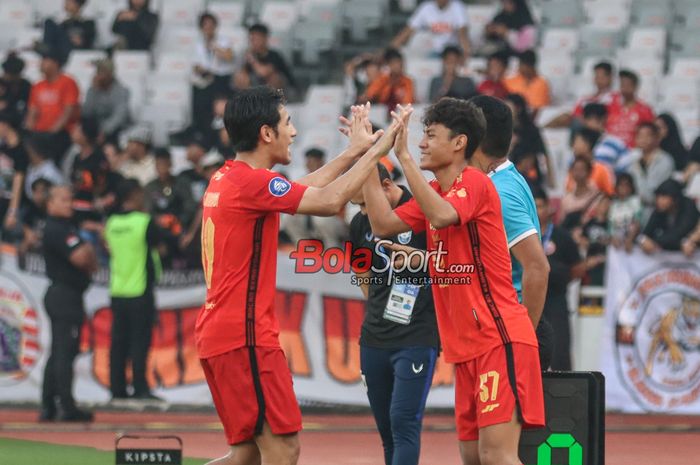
(359, 128)
(401, 116)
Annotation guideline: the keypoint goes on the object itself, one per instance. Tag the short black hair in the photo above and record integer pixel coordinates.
(499, 125)
(127, 189)
(207, 16)
(500, 56)
(392, 54)
(528, 57)
(591, 136)
(80, 3)
(595, 110)
(538, 193)
(451, 50)
(585, 161)
(90, 128)
(383, 172)
(460, 117)
(259, 28)
(315, 153)
(41, 182)
(162, 153)
(626, 177)
(604, 66)
(628, 74)
(248, 111)
(650, 126)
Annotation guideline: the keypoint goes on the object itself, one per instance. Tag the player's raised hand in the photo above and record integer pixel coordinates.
(402, 115)
(359, 128)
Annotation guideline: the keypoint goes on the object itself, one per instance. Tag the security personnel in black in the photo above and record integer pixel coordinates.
(399, 340)
(69, 263)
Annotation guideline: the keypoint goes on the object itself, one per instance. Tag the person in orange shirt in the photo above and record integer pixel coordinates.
(392, 88)
(528, 83)
(54, 104)
(601, 176)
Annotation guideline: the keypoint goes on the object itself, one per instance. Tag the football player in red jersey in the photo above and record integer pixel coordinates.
(484, 331)
(237, 330)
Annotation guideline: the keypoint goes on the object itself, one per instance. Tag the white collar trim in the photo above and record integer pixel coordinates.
(505, 165)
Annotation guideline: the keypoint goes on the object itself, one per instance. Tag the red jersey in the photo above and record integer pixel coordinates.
(493, 89)
(240, 224)
(604, 98)
(623, 120)
(50, 100)
(481, 311)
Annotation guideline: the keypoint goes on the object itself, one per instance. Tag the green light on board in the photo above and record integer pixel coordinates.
(560, 441)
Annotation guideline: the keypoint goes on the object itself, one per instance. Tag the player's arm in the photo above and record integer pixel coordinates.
(329, 200)
(364, 287)
(384, 221)
(437, 210)
(464, 40)
(402, 37)
(531, 256)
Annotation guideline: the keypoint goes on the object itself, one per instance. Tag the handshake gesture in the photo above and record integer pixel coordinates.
(358, 129)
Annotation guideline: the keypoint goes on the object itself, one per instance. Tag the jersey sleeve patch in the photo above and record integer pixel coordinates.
(279, 187)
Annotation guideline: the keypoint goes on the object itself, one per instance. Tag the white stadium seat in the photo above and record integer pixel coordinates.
(229, 14)
(685, 67)
(478, 16)
(679, 93)
(643, 63)
(560, 39)
(130, 63)
(83, 61)
(689, 121)
(175, 64)
(279, 15)
(16, 12)
(177, 39)
(180, 12)
(648, 39)
(611, 15)
(422, 71)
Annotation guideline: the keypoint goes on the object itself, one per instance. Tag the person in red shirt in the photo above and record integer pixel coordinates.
(54, 104)
(236, 332)
(493, 85)
(626, 111)
(483, 328)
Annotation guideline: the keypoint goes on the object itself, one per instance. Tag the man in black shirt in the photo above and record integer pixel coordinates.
(80, 31)
(14, 89)
(13, 168)
(69, 264)
(265, 66)
(674, 217)
(399, 339)
(565, 264)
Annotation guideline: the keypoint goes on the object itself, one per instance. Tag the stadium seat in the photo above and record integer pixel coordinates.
(229, 14)
(553, 64)
(283, 42)
(83, 61)
(685, 67)
(586, 61)
(562, 14)
(328, 11)
(557, 143)
(324, 95)
(137, 94)
(279, 15)
(679, 93)
(177, 39)
(649, 89)
(173, 90)
(313, 37)
(16, 12)
(643, 63)
(688, 14)
(174, 64)
(599, 40)
(180, 12)
(649, 39)
(651, 13)
(582, 86)
(163, 119)
(32, 62)
(420, 45)
(362, 16)
(325, 139)
(322, 107)
(104, 22)
(43, 9)
(612, 15)
(13, 36)
(129, 63)
(689, 121)
(478, 16)
(422, 71)
(686, 41)
(559, 39)
(84, 80)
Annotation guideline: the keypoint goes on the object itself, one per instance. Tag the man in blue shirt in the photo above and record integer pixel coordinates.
(529, 262)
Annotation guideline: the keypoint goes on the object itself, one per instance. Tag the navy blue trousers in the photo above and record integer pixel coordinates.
(398, 381)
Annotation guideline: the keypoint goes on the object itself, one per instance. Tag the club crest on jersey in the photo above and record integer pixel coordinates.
(279, 186)
(405, 237)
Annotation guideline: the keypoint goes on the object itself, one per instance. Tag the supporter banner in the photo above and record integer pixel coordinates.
(320, 316)
(651, 346)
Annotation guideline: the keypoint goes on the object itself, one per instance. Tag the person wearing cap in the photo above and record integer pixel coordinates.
(197, 148)
(13, 168)
(14, 89)
(54, 103)
(132, 237)
(139, 162)
(529, 83)
(674, 218)
(107, 101)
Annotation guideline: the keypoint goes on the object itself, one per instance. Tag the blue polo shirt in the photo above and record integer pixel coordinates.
(519, 213)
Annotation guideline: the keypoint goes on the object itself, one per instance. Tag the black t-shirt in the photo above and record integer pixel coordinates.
(61, 238)
(198, 183)
(91, 178)
(83, 28)
(562, 253)
(15, 95)
(275, 59)
(12, 160)
(376, 330)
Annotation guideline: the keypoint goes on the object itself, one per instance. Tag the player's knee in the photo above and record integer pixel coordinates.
(404, 424)
(496, 456)
(292, 452)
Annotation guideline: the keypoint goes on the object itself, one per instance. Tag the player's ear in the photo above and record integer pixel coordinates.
(266, 133)
(460, 142)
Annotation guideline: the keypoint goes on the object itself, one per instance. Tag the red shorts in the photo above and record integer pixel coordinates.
(248, 392)
(484, 395)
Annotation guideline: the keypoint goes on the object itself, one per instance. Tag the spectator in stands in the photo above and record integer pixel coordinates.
(494, 84)
(169, 201)
(583, 144)
(450, 83)
(107, 102)
(626, 111)
(693, 167)
(14, 89)
(329, 230)
(675, 216)
(610, 149)
(197, 149)
(212, 70)
(359, 73)
(136, 26)
(34, 216)
(512, 29)
(94, 186)
(139, 164)
(528, 83)
(653, 167)
(445, 19)
(80, 31)
(625, 214)
(672, 141)
(603, 80)
(13, 167)
(264, 66)
(392, 88)
(565, 264)
(594, 238)
(691, 242)
(53, 105)
(38, 146)
(528, 151)
(217, 132)
(579, 204)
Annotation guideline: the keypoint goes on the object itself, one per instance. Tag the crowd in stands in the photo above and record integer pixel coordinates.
(628, 167)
